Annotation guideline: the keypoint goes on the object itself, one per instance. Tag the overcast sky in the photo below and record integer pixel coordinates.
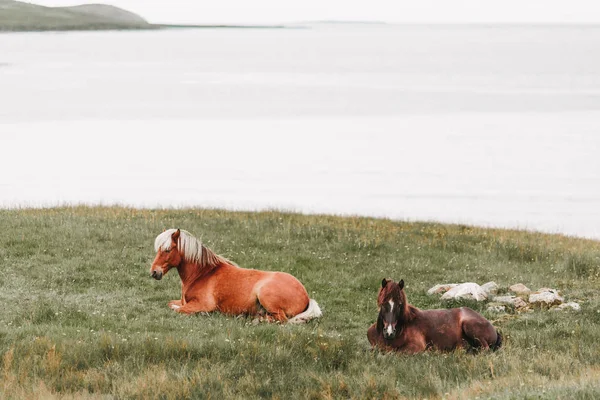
(412, 11)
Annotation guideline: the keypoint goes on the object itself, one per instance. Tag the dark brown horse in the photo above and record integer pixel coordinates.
(405, 328)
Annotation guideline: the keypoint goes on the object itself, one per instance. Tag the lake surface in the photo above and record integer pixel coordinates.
(495, 126)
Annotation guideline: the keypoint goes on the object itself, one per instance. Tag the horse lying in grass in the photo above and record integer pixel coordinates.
(212, 283)
(402, 327)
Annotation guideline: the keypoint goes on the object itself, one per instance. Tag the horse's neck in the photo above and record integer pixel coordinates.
(409, 313)
(190, 272)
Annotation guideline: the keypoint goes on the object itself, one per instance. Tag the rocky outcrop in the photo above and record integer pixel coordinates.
(520, 289)
(469, 290)
(491, 288)
(545, 298)
(440, 289)
(514, 301)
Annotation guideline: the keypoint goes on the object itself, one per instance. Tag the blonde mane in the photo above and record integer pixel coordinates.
(191, 248)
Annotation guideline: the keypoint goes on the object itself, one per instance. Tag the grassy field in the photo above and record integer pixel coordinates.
(82, 318)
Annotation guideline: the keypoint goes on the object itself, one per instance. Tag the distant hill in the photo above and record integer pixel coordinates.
(20, 16)
(106, 11)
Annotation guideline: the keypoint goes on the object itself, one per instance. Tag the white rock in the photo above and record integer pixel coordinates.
(546, 297)
(519, 288)
(515, 301)
(468, 290)
(490, 288)
(520, 303)
(571, 305)
(443, 288)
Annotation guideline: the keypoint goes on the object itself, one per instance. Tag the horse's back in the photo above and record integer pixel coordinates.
(252, 289)
(233, 280)
(470, 316)
(441, 328)
(232, 288)
(440, 317)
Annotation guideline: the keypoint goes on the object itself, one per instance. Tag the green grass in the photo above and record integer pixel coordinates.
(81, 317)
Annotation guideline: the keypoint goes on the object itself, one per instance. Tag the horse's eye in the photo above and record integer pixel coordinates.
(168, 251)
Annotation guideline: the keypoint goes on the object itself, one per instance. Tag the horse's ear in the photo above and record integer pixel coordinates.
(383, 283)
(175, 235)
(401, 284)
(379, 323)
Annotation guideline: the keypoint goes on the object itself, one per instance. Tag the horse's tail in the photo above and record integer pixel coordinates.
(498, 343)
(312, 311)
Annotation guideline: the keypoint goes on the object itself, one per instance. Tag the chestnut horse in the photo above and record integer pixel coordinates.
(212, 283)
(405, 328)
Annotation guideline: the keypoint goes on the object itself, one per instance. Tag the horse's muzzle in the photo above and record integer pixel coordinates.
(389, 335)
(157, 275)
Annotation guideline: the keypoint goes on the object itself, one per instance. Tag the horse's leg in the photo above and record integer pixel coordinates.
(413, 348)
(175, 304)
(479, 334)
(194, 306)
(282, 296)
(477, 331)
(278, 316)
(272, 305)
(273, 300)
(414, 345)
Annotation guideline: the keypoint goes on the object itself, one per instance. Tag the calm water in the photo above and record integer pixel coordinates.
(491, 125)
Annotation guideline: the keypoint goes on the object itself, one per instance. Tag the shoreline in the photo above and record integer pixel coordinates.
(519, 229)
(300, 25)
(151, 27)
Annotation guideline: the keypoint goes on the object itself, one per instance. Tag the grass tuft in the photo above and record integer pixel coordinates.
(582, 266)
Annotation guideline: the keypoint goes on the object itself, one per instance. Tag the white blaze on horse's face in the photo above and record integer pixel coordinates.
(390, 328)
(389, 318)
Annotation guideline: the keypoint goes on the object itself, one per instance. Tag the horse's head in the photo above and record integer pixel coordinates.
(392, 303)
(167, 254)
